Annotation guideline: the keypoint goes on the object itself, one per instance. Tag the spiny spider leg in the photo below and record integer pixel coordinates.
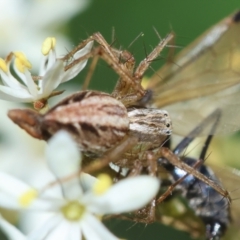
(198, 163)
(147, 214)
(122, 89)
(112, 57)
(143, 66)
(111, 156)
(90, 73)
(98, 164)
(116, 54)
(210, 203)
(173, 158)
(128, 88)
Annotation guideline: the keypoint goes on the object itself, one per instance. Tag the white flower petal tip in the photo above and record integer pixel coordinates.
(10, 231)
(63, 155)
(93, 229)
(77, 68)
(84, 50)
(128, 195)
(12, 185)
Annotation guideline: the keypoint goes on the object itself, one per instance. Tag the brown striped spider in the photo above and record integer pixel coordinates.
(104, 124)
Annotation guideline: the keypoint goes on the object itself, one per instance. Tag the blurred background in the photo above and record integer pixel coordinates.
(25, 24)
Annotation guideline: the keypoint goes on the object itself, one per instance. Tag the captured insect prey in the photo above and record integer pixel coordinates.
(219, 214)
(203, 77)
(207, 203)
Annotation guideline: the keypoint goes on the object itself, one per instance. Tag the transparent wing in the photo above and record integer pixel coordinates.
(230, 179)
(203, 77)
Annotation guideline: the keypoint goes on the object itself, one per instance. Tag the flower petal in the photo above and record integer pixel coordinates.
(60, 232)
(64, 159)
(11, 94)
(13, 191)
(10, 81)
(47, 62)
(52, 78)
(57, 228)
(87, 181)
(92, 228)
(26, 77)
(12, 185)
(9, 202)
(63, 155)
(19, 74)
(43, 68)
(12, 232)
(73, 72)
(32, 87)
(75, 232)
(127, 195)
(41, 232)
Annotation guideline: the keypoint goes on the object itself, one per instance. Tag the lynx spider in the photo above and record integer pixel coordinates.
(128, 88)
(148, 128)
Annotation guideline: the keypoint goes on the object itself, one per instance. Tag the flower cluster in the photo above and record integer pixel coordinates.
(72, 208)
(27, 88)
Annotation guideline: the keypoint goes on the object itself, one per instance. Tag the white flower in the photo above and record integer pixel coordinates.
(51, 74)
(25, 24)
(83, 200)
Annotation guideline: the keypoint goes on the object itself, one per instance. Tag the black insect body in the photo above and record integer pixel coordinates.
(206, 202)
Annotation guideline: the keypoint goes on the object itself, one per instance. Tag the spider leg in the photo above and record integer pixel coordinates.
(174, 160)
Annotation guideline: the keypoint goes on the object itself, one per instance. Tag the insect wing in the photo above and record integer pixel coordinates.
(203, 77)
(231, 180)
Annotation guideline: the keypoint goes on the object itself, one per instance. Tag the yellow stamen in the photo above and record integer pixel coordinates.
(26, 199)
(22, 62)
(3, 65)
(73, 211)
(19, 65)
(103, 184)
(48, 44)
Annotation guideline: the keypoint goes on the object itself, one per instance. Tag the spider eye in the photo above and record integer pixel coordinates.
(168, 125)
